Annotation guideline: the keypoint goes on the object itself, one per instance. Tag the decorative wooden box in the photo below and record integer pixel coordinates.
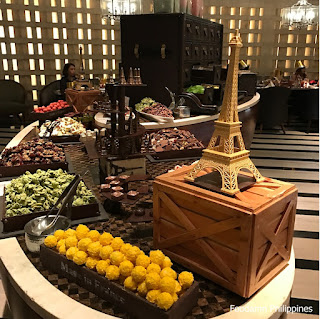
(240, 243)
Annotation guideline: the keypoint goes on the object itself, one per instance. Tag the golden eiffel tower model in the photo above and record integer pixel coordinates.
(222, 154)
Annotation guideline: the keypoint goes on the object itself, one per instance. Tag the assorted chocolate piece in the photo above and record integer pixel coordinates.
(158, 109)
(173, 140)
(36, 151)
(115, 183)
(110, 178)
(124, 178)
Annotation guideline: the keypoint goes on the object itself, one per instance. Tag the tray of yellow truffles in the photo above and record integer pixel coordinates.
(145, 286)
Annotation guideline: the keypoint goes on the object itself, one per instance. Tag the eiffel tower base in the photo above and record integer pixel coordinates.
(229, 167)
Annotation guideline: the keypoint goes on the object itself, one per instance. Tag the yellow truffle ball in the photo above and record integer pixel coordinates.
(130, 284)
(178, 287)
(80, 257)
(106, 251)
(175, 297)
(117, 243)
(164, 301)
(157, 257)
(71, 241)
(168, 284)
(50, 241)
(82, 231)
(61, 242)
(70, 252)
(154, 268)
(116, 258)
(113, 272)
(94, 235)
(105, 239)
(153, 281)
(62, 250)
(84, 243)
(142, 289)
(102, 266)
(139, 274)
(185, 279)
(143, 260)
(133, 253)
(92, 262)
(152, 295)
(125, 247)
(126, 268)
(168, 272)
(70, 232)
(166, 262)
(59, 234)
(94, 249)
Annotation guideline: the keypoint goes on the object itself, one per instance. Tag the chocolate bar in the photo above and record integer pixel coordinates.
(132, 194)
(117, 196)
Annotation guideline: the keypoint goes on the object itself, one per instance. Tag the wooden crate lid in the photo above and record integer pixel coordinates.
(249, 201)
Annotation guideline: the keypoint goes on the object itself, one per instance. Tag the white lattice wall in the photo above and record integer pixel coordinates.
(38, 36)
(266, 45)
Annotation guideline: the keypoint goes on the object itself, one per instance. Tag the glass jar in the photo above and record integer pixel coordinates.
(163, 6)
(184, 111)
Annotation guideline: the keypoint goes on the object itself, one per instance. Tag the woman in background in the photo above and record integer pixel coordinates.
(68, 75)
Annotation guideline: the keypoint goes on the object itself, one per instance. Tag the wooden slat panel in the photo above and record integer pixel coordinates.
(285, 164)
(306, 148)
(307, 188)
(285, 141)
(230, 238)
(287, 154)
(288, 174)
(308, 203)
(169, 230)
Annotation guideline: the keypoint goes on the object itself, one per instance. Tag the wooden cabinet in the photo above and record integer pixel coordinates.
(166, 47)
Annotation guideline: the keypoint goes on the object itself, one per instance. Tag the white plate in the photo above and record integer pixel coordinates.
(156, 118)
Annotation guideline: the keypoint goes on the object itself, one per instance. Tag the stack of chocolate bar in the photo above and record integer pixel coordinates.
(117, 186)
(173, 140)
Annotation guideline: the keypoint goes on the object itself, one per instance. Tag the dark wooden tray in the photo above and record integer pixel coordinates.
(15, 223)
(194, 152)
(65, 138)
(19, 170)
(50, 115)
(133, 304)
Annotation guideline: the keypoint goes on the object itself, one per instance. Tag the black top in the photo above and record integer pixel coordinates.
(63, 84)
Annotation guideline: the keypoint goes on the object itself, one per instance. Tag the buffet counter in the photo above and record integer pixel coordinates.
(43, 300)
(202, 126)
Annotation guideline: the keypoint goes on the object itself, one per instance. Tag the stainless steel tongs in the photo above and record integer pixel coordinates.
(65, 199)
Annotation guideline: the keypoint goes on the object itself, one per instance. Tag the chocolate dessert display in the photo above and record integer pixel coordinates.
(30, 156)
(134, 201)
(123, 138)
(173, 143)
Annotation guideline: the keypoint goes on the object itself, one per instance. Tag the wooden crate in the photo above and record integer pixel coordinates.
(240, 243)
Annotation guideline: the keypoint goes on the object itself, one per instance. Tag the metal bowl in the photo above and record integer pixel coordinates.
(36, 225)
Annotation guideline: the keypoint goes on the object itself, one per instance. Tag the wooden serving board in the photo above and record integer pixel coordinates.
(112, 291)
(21, 169)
